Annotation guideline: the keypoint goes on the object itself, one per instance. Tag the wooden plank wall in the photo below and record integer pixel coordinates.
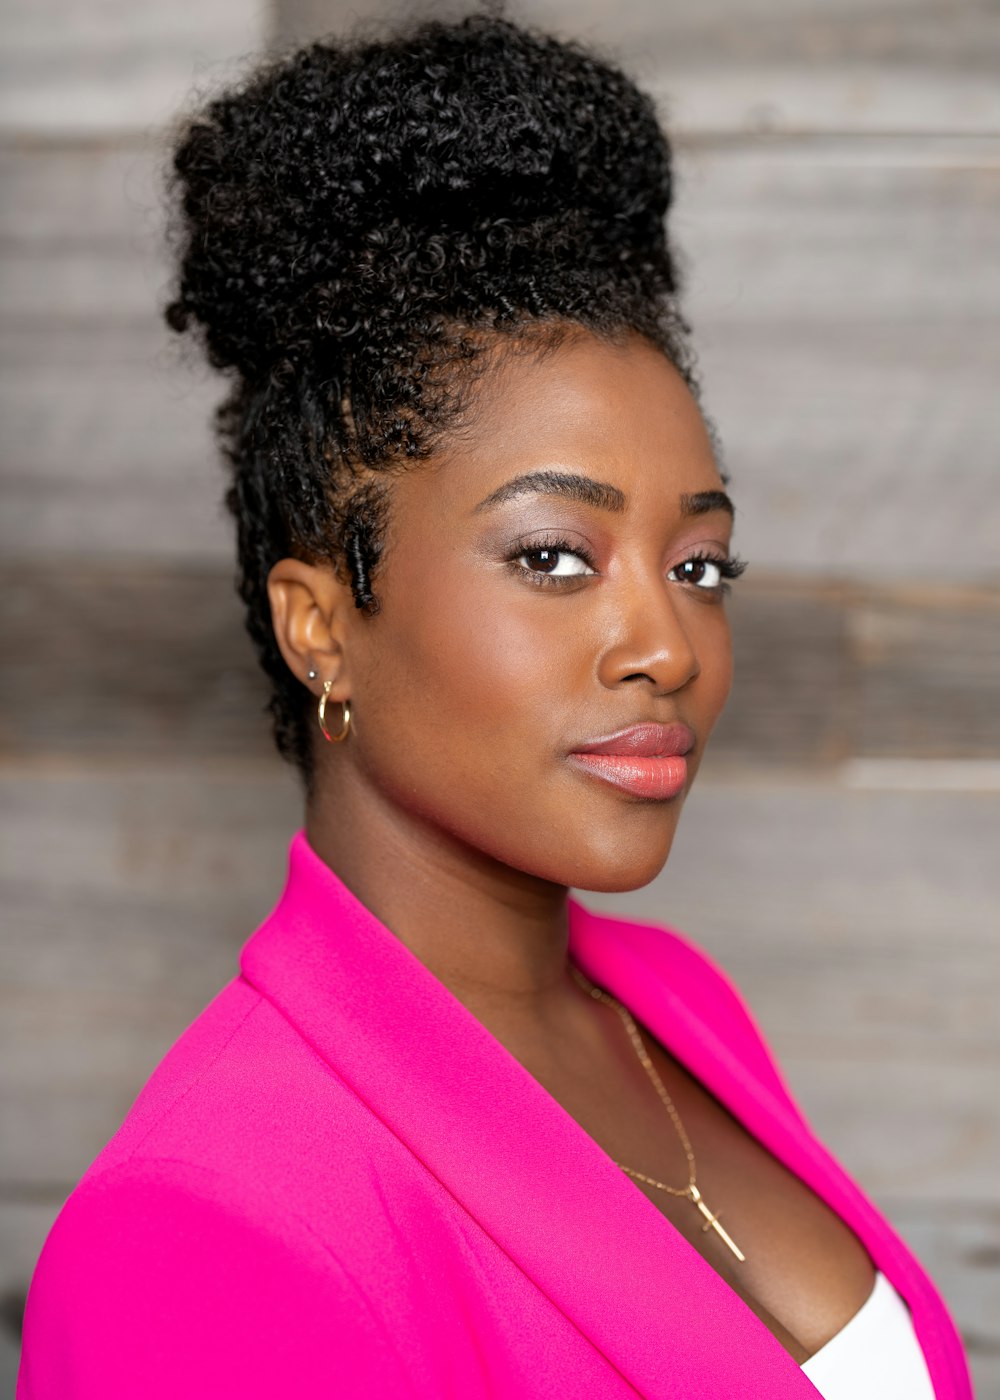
(108, 488)
(839, 189)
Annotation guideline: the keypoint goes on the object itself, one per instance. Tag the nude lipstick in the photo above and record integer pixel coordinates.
(646, 760)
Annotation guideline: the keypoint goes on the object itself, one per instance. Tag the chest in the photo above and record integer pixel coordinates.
(804, 1275)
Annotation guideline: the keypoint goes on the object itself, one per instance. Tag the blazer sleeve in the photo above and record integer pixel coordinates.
(161, 1279)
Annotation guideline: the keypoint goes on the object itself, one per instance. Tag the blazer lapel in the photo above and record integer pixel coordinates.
(514, 1159)
(627, 965)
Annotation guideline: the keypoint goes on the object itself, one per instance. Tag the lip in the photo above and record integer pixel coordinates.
(646, 760)
(646, 740)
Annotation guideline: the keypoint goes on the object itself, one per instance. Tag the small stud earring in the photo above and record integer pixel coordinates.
(313, 675)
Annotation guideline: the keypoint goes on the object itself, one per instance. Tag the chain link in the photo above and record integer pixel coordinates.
(637, 1045)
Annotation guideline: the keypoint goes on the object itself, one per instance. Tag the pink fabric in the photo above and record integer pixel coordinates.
(338, 1183)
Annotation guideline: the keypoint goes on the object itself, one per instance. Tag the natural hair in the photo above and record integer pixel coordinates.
(360, 227)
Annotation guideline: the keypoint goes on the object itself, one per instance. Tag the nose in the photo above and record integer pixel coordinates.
(649, 641)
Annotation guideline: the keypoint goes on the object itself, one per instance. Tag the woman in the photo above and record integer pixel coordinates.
(448, 1133)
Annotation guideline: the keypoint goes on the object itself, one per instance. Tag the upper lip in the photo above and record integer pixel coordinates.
(646, 740)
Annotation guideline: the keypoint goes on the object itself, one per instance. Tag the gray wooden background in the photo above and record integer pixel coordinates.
(838, 206)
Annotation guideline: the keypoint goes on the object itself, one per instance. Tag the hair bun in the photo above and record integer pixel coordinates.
(423, 173)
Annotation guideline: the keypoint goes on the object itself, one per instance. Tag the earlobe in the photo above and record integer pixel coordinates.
(308, 605)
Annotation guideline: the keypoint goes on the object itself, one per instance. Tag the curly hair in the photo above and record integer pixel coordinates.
(359, 228)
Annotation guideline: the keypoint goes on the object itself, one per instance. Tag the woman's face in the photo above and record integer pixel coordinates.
(523, 620)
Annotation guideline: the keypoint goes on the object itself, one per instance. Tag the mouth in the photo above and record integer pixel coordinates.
(646, 760)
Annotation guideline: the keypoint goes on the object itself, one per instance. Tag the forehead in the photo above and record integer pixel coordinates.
(621, 412)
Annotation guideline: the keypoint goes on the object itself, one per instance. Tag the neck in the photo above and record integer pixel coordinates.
(496, 937)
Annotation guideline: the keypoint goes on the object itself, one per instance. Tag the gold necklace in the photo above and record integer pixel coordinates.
(689, 1192)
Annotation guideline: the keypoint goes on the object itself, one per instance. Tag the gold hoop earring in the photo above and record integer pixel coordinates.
(321, 715)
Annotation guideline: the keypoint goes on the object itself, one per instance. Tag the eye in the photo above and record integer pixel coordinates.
(706, 572)
(555, 562)
(699, 570)
(550, 561)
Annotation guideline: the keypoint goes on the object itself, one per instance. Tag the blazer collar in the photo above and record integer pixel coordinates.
(512, 1157)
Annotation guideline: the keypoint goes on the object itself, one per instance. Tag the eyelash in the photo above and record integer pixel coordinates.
(557, 545)
(730, 567)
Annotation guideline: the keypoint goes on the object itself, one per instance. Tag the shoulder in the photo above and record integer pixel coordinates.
(219, 1033)
(240, 1066)
(200, 1284)
(213, 1246)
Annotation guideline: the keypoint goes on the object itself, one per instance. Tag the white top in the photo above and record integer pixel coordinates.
(875, 1356)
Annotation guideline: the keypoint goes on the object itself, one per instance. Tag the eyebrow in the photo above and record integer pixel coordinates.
(703, 502)
(594, 493)
(550, 483)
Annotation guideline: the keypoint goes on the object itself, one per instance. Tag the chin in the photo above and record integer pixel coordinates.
(618, 881)
(621, 865)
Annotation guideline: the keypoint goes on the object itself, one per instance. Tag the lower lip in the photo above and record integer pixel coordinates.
(652, 778)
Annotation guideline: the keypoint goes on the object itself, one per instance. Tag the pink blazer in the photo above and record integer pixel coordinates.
(338, 1183)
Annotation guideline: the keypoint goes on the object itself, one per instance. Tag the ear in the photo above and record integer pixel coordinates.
(310, 606)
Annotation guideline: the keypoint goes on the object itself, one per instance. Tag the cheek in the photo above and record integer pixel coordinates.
(704, 701)
(462, 690)
(715, 652)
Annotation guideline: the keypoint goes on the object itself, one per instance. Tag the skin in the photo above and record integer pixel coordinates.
(453, 811)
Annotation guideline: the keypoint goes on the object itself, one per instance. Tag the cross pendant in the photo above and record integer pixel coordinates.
(712, 1222)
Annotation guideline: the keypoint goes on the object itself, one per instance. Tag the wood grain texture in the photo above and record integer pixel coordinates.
(127, 898)
(109, 65)
(764, 65)
(149, 660)
(834, 871)
(791, 700)
(107, 448)
(910, 652)
(843, 308)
